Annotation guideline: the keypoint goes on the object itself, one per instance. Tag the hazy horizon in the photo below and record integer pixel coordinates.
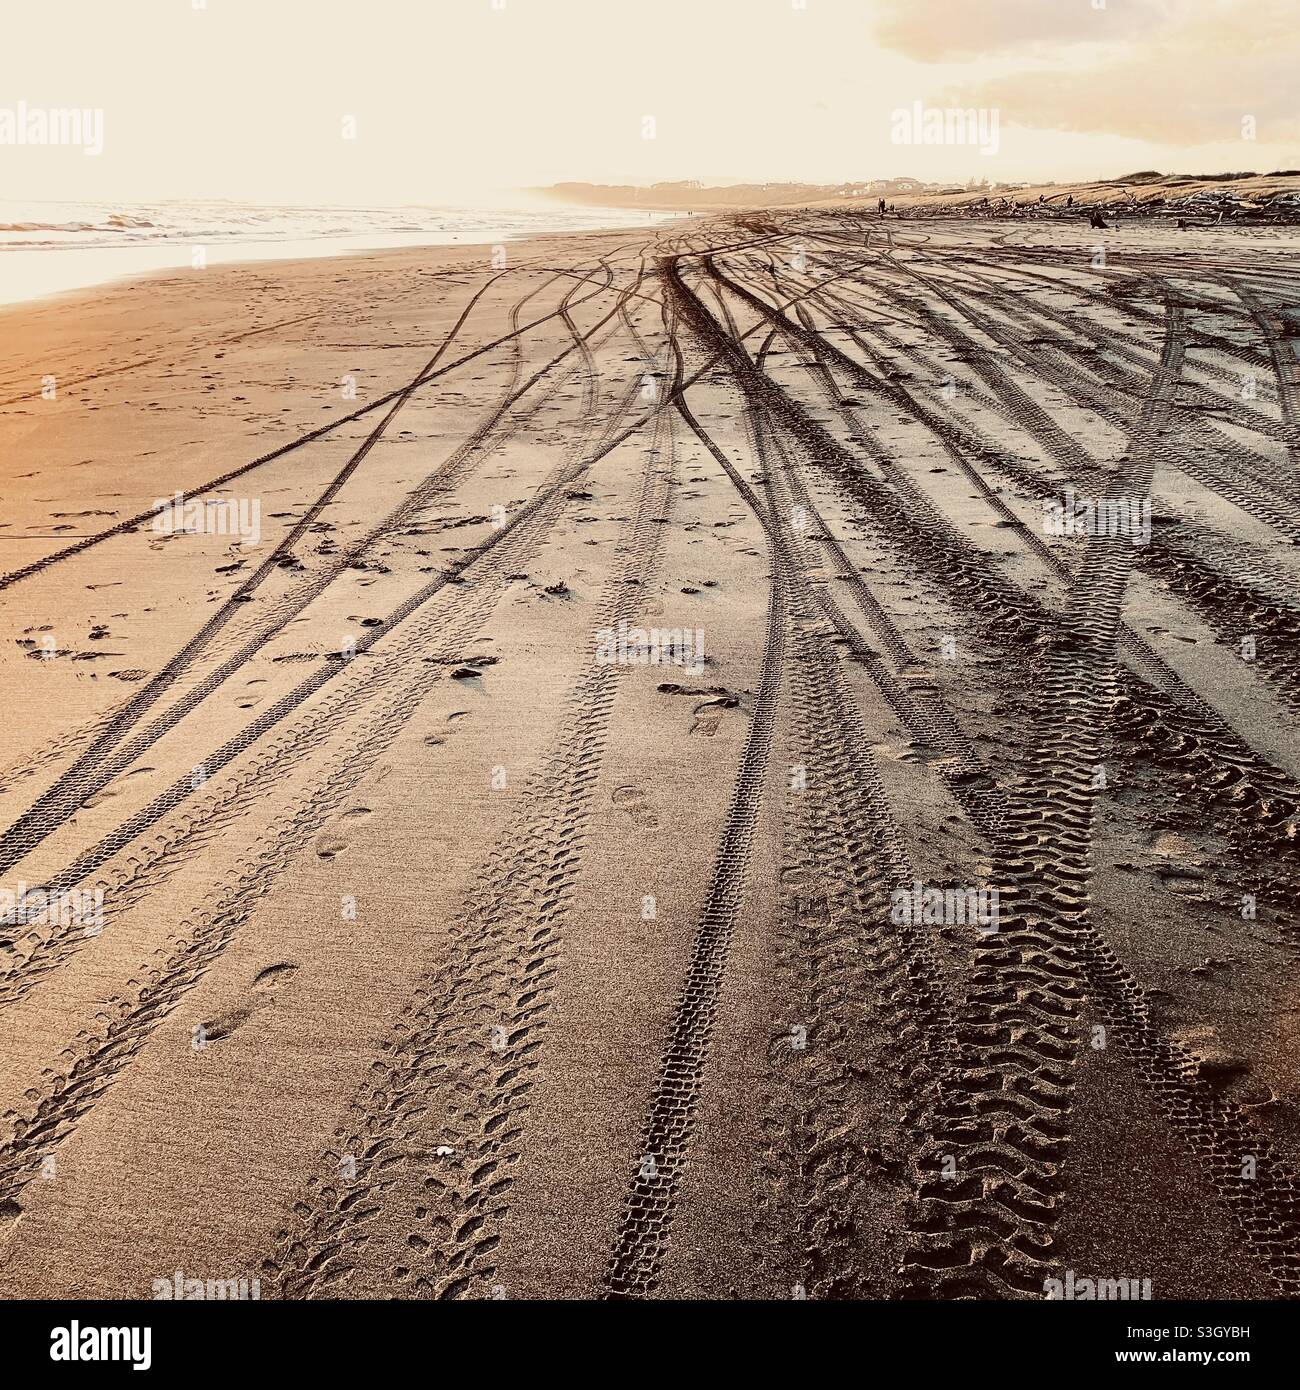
(308, 103)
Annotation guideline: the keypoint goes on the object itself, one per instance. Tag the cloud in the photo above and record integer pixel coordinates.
(1195, 86)
(936, 30)
(1165, 108)
(1145, 69)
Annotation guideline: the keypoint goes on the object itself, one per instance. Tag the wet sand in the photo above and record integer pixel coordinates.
(450, 946)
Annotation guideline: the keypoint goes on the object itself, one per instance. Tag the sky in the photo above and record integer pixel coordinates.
(456, 101)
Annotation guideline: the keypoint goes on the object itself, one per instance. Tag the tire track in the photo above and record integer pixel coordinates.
(465, 1047)
(649, 1204)
(212, 484)
(95, 1059)
(100, 764)
(48, 951)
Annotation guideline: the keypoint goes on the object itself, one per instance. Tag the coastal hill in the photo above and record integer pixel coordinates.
(1233, 194)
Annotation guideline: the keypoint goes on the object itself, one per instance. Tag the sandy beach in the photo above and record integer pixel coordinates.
(484, 729)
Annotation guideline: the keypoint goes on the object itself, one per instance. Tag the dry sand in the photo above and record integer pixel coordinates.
(441, 958)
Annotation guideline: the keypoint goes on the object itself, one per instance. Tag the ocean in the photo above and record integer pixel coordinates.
(50, 248)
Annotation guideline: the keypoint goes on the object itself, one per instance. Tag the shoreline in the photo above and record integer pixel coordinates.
(47, 267)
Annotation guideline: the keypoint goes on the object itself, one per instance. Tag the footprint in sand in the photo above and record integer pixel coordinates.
(273, 976)
(633, 801)
(266, 984)
(708, 713)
